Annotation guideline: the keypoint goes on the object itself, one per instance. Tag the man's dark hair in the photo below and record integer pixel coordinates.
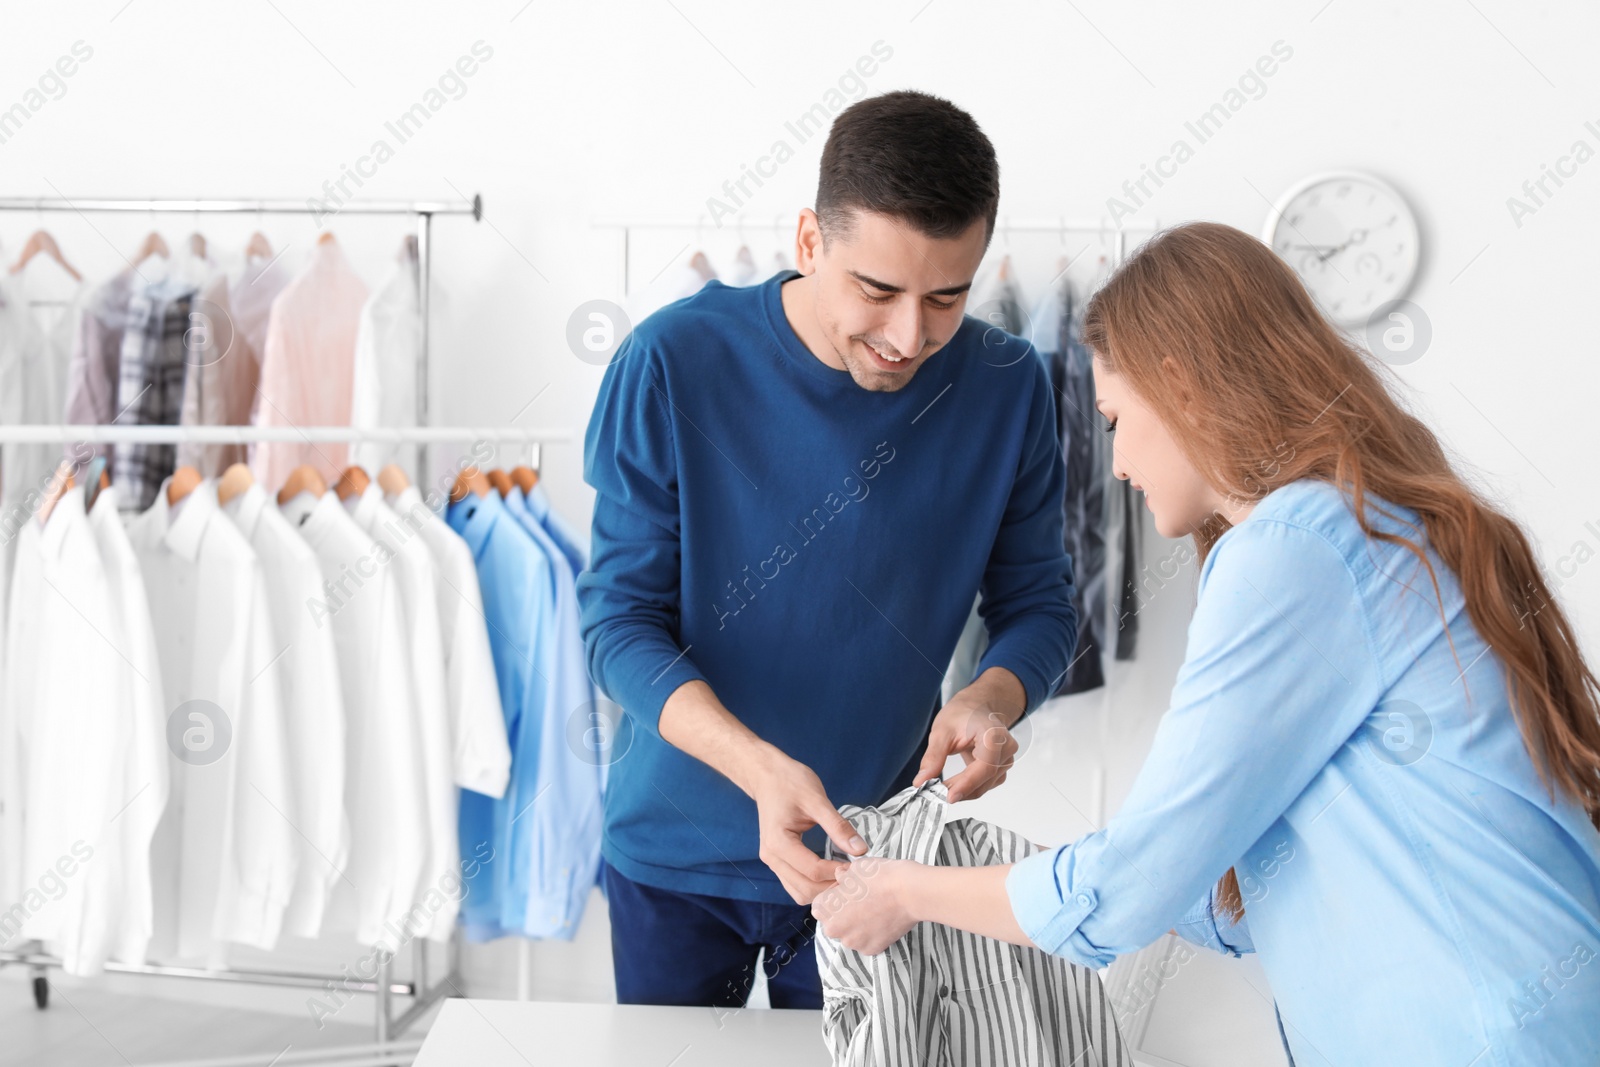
(913, 157)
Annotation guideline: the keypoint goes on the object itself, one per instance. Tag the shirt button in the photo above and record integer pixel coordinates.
(944, 991)
(1083, 900)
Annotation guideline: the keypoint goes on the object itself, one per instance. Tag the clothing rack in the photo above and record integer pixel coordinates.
(424, 210)
(1003, 225)
(383, 1049)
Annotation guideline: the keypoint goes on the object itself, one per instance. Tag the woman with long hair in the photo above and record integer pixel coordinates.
(1380, 769)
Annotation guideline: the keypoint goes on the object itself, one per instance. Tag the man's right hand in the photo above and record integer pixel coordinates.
(789, 796)
(789, 801)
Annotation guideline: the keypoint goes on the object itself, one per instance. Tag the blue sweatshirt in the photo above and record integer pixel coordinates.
(810, 549)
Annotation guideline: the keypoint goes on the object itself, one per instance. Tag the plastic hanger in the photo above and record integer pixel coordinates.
(235, 480)
(303, 479)
(184, 481)
(41, 241)
(96, 479)
(353, 482)
(471, 481)
(393, 480)
(154, 246)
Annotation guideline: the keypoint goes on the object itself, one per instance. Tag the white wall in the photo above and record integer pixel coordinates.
(646, 108)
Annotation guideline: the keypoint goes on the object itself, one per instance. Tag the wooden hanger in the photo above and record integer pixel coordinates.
(184, 481)
(501, 481)
(525, 478)
(259, 247)
(470, 480)
(408, 249)
(235, 480)
(702, 266)
(353, 482)
(303, 479)
(60, 484)
(153, 245)
(325, 238)
(41, 241)
(392, 479)
(197, 246)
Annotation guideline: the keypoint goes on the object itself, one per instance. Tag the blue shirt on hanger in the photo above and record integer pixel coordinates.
(566, 820)
(573, 545)
(519, 599)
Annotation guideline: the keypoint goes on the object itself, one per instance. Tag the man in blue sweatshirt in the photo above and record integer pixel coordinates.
(800, 486)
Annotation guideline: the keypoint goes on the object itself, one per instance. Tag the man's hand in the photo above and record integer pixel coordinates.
(977, 724)
(789, 801)
(789, 796)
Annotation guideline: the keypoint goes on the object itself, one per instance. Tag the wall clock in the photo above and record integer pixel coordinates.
(1351, 237)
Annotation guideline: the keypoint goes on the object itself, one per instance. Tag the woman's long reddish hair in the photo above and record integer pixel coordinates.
(1276, 394)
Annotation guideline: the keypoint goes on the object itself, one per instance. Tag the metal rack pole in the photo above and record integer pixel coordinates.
(67, 433)
(425, 307)
(473, 207)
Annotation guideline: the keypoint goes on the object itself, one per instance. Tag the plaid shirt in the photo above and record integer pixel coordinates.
(150, 385)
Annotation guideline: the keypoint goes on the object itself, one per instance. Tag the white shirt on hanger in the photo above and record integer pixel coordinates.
(477, 720)
(384, 781)
(437, 898)
(313, 703)
(224, 856)
(388, 351)
(144, 775)
(65, 732)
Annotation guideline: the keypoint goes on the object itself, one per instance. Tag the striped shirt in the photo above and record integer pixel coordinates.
(945, 996)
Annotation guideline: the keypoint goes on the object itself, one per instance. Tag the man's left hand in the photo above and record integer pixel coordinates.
(976, 724)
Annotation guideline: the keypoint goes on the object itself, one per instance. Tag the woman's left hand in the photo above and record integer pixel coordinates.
(867, 909)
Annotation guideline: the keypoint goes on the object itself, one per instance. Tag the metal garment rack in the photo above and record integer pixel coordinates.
(1003, 225)
(423, 210)
(384, 1049)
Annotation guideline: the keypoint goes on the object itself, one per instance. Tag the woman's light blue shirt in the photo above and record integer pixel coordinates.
(1413, 891)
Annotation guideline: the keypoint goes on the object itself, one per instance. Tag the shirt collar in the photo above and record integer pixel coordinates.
(184, 533)
(246, 508)
(67, 513)
(363, 508)
(474, 516)
(538, 502)
(409, 505)
(314, 516)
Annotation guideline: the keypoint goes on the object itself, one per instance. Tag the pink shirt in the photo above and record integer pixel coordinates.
(308, 365)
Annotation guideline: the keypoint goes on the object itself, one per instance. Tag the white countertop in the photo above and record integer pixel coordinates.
(510, 1033)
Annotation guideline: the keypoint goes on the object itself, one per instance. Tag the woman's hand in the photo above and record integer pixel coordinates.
(868, 908)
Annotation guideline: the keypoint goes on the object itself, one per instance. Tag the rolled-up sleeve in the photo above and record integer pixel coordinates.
(1027, 585)
(1280, 670)
(629, 596)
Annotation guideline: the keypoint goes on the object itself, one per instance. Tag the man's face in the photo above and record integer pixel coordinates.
(886, 296)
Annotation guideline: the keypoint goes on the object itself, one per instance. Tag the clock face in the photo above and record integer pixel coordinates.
(1351, 238)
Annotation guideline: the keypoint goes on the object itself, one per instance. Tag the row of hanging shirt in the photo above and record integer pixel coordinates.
(1096, 507)
(241, 715)
(180, 340)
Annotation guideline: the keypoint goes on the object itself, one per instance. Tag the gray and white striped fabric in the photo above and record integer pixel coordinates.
(944, 996)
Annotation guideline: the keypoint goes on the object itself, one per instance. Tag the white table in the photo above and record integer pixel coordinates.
(510, 1033)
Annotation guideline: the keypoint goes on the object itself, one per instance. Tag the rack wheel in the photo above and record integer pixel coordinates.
(41, 992)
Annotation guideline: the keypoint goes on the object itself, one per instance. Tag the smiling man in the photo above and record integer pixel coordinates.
(800, 486)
